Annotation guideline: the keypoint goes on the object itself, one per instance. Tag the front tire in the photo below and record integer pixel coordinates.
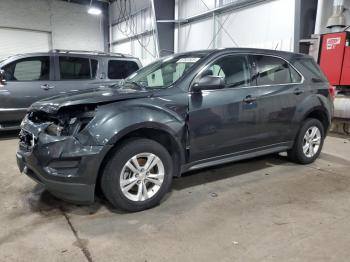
(138, 175)
(308, 143)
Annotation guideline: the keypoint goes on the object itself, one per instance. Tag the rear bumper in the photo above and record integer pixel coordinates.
(64, 166)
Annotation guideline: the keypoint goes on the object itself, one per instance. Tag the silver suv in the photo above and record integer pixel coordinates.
(27, 78)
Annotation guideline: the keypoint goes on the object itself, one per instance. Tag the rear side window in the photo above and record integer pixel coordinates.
(310, 68)
(72, 68)
(28, 69)
(119, 69)
(274, 71)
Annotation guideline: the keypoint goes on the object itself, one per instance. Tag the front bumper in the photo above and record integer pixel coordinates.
(63, 165)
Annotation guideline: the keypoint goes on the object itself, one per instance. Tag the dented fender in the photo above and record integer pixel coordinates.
(113, 121)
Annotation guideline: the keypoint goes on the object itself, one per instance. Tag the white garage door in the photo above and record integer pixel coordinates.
(15, 41)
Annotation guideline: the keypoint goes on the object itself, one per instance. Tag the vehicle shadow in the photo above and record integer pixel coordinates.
(45, 203)
(220, 172)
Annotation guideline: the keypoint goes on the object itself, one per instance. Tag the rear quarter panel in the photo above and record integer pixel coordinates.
(316, 85)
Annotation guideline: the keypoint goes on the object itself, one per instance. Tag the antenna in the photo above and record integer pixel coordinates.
(277, 46)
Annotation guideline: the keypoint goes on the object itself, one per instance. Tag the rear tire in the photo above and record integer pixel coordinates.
(138, 175)
(308, 143)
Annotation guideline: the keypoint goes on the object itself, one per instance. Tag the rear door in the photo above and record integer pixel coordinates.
(28, 80)
(281, 89)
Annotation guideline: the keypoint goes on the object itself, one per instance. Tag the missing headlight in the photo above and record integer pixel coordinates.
(66, 125)
(77, 124)
(54, 130)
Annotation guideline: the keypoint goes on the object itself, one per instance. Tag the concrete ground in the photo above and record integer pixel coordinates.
(265, 209)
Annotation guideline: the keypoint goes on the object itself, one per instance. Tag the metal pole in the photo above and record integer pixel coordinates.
(155, 29)
(319, 15)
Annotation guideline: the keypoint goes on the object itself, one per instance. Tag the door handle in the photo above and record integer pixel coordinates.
(249, 99)
(46, 87)
(298, 91)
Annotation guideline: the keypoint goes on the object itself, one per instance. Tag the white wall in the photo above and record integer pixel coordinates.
(116, 9)
(140, 19)
(68, 25)
(189, 8)
(29, 14)
(268, 24)
(141, 22)
(74, 28)
(195, 36)
(14, 41)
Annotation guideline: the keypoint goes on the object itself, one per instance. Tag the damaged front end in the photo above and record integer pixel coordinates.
(55, 150)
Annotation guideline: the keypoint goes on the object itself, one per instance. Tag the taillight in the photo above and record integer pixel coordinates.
(332, 91)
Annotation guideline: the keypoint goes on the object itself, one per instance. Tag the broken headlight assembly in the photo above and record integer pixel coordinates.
(69, 125)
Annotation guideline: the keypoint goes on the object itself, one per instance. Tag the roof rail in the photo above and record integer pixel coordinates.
(66, 51)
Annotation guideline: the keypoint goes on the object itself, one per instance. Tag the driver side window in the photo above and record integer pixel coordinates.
(234, 69)
(217, 70)
(28, 69)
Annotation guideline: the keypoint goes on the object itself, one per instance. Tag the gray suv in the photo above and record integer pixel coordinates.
(184, 112)
(27, 78)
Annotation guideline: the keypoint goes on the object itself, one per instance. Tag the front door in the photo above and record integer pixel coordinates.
(224, 121)
(27, 81)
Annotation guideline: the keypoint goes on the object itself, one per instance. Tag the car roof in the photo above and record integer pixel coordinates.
(240, 50)
(74, 53)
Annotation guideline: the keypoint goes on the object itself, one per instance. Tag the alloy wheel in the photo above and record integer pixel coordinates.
(312, 141)
(142, 176)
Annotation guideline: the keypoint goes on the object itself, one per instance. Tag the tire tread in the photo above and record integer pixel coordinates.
(108, 181)
(295, 154)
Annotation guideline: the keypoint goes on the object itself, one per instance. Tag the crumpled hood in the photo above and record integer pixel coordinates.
(87, 97)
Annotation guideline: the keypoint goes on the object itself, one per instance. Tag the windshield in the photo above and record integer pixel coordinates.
(162, 73)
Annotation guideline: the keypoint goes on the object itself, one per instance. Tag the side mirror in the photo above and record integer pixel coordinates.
(208, 82)
(2, 78)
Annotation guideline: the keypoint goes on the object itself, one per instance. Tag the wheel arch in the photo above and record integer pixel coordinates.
(320, 114)
(153, 131)
(172, 140)
(314, 106)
